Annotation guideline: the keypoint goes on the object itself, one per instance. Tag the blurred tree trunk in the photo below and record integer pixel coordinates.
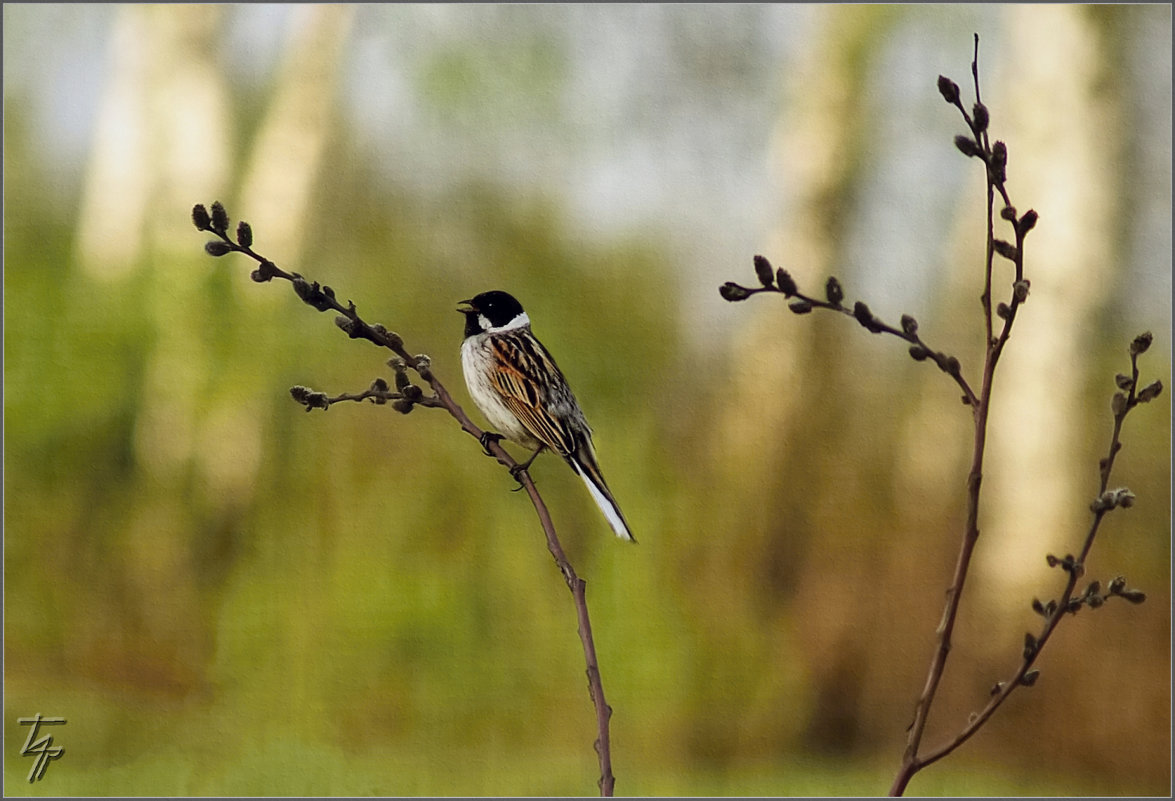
(162, 135)
(283, 166)
(798, 528)
(161, 144)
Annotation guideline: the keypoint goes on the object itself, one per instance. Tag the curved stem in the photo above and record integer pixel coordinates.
(575, 584)
(323, 298)
(911, 763)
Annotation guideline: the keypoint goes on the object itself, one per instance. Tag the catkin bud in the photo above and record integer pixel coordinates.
(948, 89)
(1029, 645)
(219, 221)
(979, 117)
(967, 146)
(785, 282)
(1150, 392)
(866, 318)
(304, 289)
(999, 154)
(834, 291)
(1005, 249)
(1141, 343)
(999, 162)
(1134, 596)
(764, 271)
(402, 380)
(733, 292)
(1020, 290)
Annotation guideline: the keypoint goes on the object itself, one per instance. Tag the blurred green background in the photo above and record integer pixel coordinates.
(225, 595)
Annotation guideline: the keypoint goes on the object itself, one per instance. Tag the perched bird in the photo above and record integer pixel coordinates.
(521, 391)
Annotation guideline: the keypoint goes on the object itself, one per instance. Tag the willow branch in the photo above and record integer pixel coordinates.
(1070, 601)
(404, 399)
(998, 319)
(994, 157)
(780, 282)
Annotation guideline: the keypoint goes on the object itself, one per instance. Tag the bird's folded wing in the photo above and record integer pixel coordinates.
(514, 368)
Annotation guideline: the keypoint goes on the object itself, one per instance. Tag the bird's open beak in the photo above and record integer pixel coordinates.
(466, 306)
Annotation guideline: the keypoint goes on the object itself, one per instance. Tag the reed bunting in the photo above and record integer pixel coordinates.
(521, 391)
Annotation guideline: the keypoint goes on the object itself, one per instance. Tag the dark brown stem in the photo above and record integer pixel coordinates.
(323, 299)
(994, 158)
(578, 589)
(1076, 570)
(946, 363)
(911, 761)
(577, 586)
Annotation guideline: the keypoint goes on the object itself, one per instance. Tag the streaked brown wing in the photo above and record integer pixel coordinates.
(516, 362)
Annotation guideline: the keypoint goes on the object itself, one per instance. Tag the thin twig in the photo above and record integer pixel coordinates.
(994, 157)
(323, 298)
(780, 282)
(1069, 602)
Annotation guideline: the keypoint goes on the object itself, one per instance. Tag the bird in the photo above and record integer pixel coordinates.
(514, 381)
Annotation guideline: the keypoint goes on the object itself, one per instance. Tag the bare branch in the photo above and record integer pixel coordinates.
(403, 399)
(1070, 602)
(801, 303)
(999, 318)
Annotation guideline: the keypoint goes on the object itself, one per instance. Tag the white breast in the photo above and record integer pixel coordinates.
(477, 364)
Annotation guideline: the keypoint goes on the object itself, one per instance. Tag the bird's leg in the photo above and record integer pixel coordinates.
(517, 469)
(486, 438)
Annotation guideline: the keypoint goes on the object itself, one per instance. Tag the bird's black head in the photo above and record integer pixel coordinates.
(492, 311)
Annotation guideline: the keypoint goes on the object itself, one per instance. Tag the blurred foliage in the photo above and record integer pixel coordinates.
(225, 595)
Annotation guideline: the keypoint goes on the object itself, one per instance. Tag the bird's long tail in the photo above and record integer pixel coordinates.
(583, 462)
